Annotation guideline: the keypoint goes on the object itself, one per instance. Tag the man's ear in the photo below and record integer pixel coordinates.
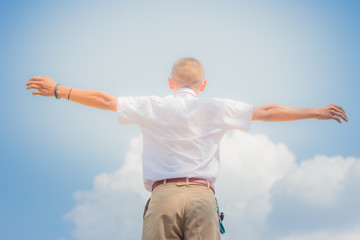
(203, 85)
(171, 83)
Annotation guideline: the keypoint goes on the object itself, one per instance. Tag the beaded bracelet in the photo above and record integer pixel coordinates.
(55, 91)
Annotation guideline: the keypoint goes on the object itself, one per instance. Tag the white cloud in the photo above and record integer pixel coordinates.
(250, 165)
(258, 181)
(350, 234)
(126, 178)
(113, 209)
(316, 181)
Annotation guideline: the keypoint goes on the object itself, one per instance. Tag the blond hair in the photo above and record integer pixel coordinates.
(187, 72)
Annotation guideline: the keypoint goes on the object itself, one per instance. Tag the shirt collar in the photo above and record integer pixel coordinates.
(185, 91)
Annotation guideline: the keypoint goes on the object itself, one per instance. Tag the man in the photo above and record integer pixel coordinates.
(181, 135)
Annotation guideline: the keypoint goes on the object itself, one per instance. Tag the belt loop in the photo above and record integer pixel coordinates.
(187, 181)
(165, 181)
(208, 184)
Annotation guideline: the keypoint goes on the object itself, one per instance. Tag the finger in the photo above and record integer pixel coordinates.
(337, 119)
(36, 79)
(33, 86)
(342, 115)
(28, 88)
(31, 82)
(339, 107)
(36, 93)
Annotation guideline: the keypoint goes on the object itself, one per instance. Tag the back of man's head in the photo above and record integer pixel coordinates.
(187, 72)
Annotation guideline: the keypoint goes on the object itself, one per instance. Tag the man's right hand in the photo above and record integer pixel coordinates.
(44, 85)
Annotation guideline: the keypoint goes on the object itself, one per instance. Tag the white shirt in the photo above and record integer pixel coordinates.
(181, 132)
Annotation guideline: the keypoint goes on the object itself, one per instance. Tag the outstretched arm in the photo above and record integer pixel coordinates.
(45, 87)
(279, 113)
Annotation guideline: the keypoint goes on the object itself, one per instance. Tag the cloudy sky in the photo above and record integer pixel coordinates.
(69, 172)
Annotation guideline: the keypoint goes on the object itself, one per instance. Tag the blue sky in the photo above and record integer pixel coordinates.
(303, 54)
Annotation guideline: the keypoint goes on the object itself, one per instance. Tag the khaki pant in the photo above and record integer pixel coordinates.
(185, 212)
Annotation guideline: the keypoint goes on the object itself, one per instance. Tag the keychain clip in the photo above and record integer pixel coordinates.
(221, 217)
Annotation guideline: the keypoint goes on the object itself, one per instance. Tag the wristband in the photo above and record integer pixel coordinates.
(69, 93)
(55, 91)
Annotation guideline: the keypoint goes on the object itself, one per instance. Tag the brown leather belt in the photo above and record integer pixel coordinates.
(184, 181)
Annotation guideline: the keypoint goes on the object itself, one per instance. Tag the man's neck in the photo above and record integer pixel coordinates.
(196, 91)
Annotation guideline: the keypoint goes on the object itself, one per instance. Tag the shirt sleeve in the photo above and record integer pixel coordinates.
(132, 110)
(237, 115)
